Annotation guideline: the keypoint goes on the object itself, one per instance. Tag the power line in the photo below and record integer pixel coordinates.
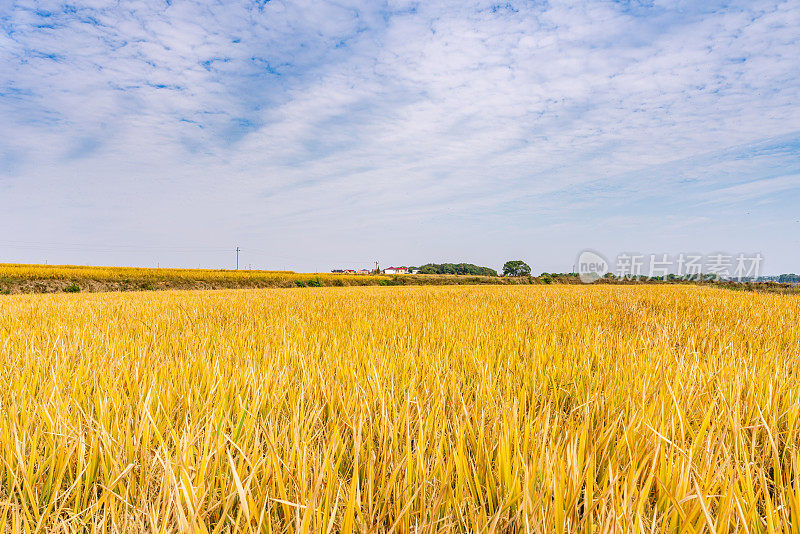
(165, 248)
(103, 247)
(53, 247)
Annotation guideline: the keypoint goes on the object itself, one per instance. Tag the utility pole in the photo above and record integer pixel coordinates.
(237, 258)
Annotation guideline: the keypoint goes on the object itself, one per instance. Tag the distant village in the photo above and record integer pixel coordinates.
(443, 268)
(388, 270)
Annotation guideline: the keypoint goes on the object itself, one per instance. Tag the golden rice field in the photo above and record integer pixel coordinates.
(16, 278)
(401, 409)
(24, 278)
(77, 272)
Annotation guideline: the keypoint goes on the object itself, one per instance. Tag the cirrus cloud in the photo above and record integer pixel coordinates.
(474, 130)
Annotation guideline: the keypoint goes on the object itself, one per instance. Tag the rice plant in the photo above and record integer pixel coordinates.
(401, 409)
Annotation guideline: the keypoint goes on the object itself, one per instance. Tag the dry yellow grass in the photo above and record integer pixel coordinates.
(22, 271)
(479, 409)
(22, 278)
(54, 278)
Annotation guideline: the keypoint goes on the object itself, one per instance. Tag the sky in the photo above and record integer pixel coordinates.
(321, 135)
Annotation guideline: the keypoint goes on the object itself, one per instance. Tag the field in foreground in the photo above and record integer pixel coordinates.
(369, 409)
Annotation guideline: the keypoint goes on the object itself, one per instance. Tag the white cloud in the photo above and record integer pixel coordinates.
(301, 118)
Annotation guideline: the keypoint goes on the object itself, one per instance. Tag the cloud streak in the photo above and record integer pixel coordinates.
(306, 129)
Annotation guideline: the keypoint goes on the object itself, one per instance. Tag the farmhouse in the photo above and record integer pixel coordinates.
(396, 270)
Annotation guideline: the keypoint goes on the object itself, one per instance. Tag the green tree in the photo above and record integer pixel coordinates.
(456, 268)
(516, 268)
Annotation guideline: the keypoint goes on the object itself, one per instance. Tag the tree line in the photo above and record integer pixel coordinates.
(511, 268)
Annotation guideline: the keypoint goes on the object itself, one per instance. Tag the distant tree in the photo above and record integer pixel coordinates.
(456, 268)
(516, 268)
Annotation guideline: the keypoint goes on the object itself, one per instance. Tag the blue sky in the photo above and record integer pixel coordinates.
(317, 135)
